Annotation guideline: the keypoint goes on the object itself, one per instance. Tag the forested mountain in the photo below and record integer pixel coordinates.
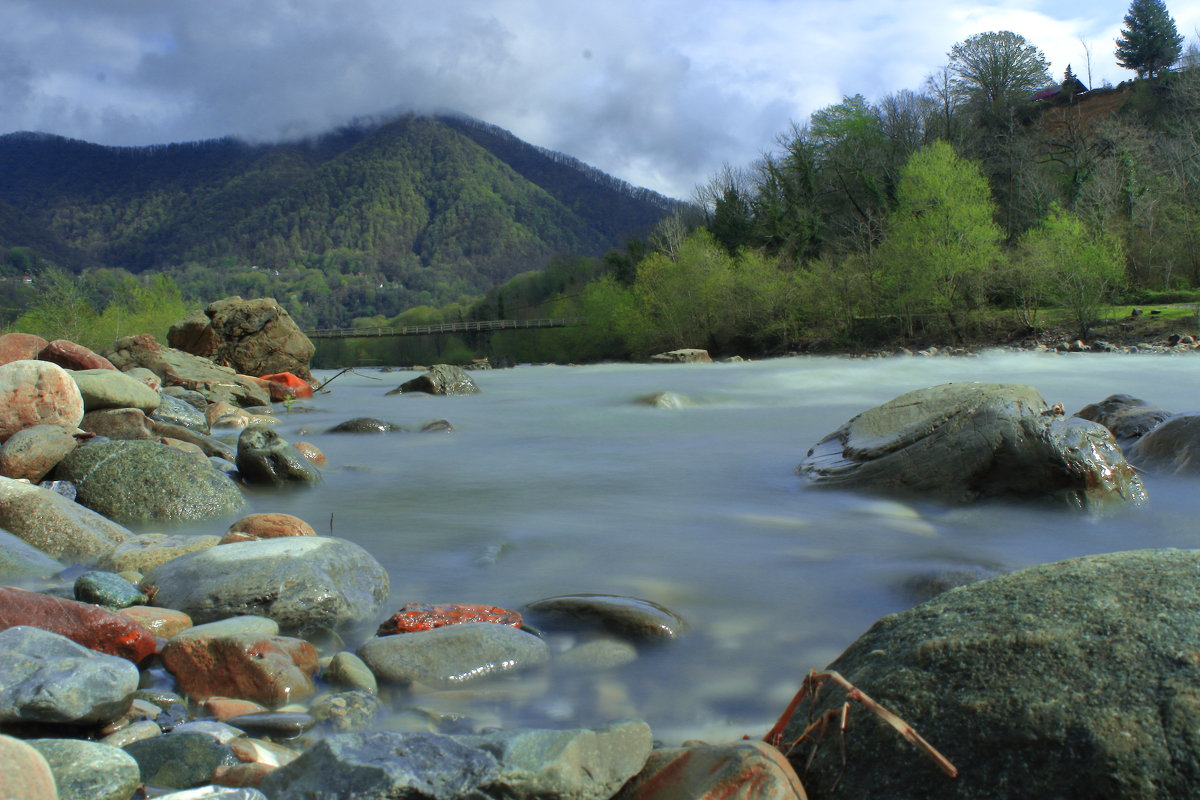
(372, 218)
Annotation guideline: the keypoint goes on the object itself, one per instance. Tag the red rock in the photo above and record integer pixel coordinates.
(224, 708)
(69, 355)
(413, 617)
(741, 771)
(266, 526)
(91, 626)
(37, 393)
(164, 622)
(312, 453)
(20, 347)
(271, 670)
(285, 383)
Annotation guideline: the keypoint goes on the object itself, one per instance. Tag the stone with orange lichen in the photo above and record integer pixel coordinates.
(413, 617)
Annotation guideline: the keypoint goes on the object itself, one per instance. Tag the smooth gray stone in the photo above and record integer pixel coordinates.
(1126, 416)
(86, 770)
(211, 445)
(383, 765)
(273, 725)
(176, 411)
(630, 618)
(135, 481)
(55, 525)
(107, 589)
(108, 388)
(347, 671)
(45, 677)
(21, 561)
(302, 582)
(365, 425)
(180, 760)
(579, 764)
(453, 655)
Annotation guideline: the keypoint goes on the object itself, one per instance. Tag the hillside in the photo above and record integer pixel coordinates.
(427, 209)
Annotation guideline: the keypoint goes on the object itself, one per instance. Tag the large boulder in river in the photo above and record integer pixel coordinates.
(266, 458)
(305, 583)
(1171, 447)
(1074, 679)
(440, 379)
(961, 442)
(139, 481)
(1126, 416)
(254, 337)
(177, 368)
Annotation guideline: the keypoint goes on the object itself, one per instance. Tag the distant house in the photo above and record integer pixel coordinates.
(1067, 89)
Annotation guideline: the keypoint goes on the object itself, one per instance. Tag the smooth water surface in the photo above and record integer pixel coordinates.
(555, 481)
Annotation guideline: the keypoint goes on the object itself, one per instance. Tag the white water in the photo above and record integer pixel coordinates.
(555, 482)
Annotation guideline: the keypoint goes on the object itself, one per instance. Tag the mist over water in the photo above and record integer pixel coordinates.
(555, 481)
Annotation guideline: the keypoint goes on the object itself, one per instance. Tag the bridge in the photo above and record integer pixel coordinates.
(446, 327)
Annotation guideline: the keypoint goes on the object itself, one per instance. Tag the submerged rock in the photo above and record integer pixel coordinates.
(265, 457)
(440, 379)
(365, 425)
(962, 442)
(629, 618)
(1172, 447)
(1127, 417)
(1073, 679)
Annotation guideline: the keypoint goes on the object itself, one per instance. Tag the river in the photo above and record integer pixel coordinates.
(555, 481)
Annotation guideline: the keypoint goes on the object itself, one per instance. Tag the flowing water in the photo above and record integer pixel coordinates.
(555, 481)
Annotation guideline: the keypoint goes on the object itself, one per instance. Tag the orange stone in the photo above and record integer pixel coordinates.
(271, 670)
(162, 622)
(266, 526)
(414, 617)
(283, 384)
(91, 626)
(312, 453)
(224, 708)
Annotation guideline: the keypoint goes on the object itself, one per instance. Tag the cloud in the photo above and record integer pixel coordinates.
(658, 92)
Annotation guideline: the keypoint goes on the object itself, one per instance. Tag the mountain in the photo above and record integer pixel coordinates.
(431, 208)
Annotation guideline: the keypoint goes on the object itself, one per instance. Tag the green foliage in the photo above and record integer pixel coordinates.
(994, 70)
(940, 237)
(1062, 262)
(1149, 42)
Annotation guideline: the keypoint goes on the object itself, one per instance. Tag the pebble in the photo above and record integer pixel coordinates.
(134, 732)
(266, 526)
(162, 622)
(107, 589)
(598, 654)
(31, 453)
(274, 726)
(347, 671)
(225, 708)
(215, 793)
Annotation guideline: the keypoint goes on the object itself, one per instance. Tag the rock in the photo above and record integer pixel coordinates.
(55, 525)
(345, 712)
(683, 356)
(108, 388)
(174, 411)
(161, 622)
(37, 393)
(177, 368)
(135, 481)
(225, 708)
(47, 678)
(143, 551)
(453, 655)
(1127, 417)
(266, 526)
(91, 626)
(970, 669)
(626, 617)
(69, 355)
(383, 765)
(122, 424)
(437, 426)
(209, 445)
(664, 400)
(580, 764)
(1172, 447)
(264, 457)
(20, 561)
(32, 452)
(311, 452)
(216, 792)
(304, 583)
(348, 671)
(255, 337)
(25, 774)
(180, 760)
(413, 617)
(286, 386)
(20, 347)
(248, 624)
(274, 724)
(107, 589)
(741, 771)
(440, 379)
(271, 670)
(962, 442)
(89, 770)
(365, 425)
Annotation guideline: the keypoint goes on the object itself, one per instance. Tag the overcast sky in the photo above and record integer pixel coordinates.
(660, 93)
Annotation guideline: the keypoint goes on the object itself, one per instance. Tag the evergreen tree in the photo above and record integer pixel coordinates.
(1149, 42)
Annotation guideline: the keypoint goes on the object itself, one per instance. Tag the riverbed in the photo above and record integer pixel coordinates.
(555, 480)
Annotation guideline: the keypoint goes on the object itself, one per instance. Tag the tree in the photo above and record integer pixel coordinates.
(992, 71)
(940, 236)
(1149, 42)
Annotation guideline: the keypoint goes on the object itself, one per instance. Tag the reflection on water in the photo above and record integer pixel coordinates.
(554, 481)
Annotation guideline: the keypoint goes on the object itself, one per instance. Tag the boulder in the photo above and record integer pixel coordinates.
(31, 453)
(108, 388)
(962, 442)
(20, 347)
(1126, 416)
(143, 551)
(47, 678)
(37, 393)
(305, 583)
(177, 368)
(1172, 447)
(69, 355)
(255, 337)
(440, 379)
(686, 355)
(271, 670)
(134, 481)
(1072, 679)
(264, 457)
(55, 525)
(664, 400)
